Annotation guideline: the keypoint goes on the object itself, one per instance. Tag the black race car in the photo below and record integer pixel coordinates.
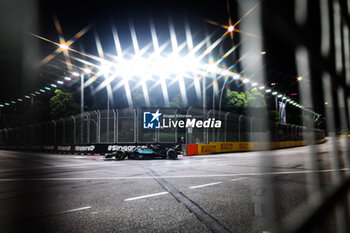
(148, 151)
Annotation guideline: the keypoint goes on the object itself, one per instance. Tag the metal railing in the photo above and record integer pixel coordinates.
(126, 126)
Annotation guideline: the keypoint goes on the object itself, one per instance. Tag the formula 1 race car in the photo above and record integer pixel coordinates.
(148, 151)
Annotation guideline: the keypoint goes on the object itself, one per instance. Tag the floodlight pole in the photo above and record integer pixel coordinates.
(107, 117)
(222, 92)
(204, 102)
(81, 93)
(220, 101)
(81, 106)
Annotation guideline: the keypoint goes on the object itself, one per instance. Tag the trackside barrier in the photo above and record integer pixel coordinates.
(222, 147)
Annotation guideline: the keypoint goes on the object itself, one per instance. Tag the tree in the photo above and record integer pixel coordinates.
(255, 99)
(176, 102)
(274, 116)
(240, 101)
(62, 104)
(236, 100)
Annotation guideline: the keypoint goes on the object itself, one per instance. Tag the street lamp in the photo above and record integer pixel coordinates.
(64, 46)
(231, 28)
(225, 73)
(82, 76)
(86, 71)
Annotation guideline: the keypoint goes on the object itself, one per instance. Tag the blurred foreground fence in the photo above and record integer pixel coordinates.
(126, 126)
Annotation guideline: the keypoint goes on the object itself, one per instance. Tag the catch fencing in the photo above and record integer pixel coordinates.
(126, 127)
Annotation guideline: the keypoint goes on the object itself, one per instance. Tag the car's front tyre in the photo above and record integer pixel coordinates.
(171, 154)
(119, 155)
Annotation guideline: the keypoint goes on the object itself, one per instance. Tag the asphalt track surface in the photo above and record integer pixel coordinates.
(214, 193)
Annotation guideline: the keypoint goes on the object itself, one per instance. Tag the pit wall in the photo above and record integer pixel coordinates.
(224, 147)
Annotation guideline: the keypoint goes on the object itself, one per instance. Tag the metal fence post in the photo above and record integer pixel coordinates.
(175, 140)
(54, 138)
(107, 130)
(114, 125)
(6, 140)
(135, 126)
(251, 128)
(226, 116)
(117, 126)
(74, 130)
(88, 127)
(208, 128)
(98, 128)
(239, 127)
(188, 136)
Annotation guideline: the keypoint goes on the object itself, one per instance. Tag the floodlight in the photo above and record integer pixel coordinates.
(268, 90)
(254, 84)
(279, 96)
(230, 28)
(20, 100)
(274, 93)
(53, 85)
(246, 80)
(122, 69)
(87, 71)
(224, 72)
(104, 69)
(76, 74)
(261, 88)
(60, 82)
(235, 76)
(64, 46)
(212, 68)
(68, 78)
(47, 88)
(7, 104)
(28, 97)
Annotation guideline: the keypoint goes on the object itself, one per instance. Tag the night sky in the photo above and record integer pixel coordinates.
(20, 52)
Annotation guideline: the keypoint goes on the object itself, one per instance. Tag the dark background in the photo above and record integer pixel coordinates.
(20, 52)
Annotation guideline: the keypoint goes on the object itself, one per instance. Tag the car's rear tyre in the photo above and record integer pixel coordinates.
(119, 155)
(171, 154)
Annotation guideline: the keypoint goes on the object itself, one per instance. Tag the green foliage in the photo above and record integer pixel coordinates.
(252, 99)
(138, 98)
(62, 104)
(274, 116)
(255, 99)
(176, 102)
(236, 100)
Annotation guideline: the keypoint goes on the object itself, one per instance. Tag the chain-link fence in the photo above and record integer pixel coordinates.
(126, 126)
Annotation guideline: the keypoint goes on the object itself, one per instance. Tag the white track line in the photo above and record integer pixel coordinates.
(204, 185)
(59, 166)
(242, 178)
(145, 196)
(74, 210)
(169, 177)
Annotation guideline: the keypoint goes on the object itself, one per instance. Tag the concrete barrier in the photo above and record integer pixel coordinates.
(222, 147)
